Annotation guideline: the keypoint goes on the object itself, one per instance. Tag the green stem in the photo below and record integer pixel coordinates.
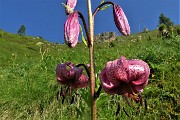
(85, 27)
(87, 71)
(102, 4)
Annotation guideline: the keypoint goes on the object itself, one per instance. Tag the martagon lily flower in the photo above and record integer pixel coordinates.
(126, 77)
(69, 75)
(72, 29)
(120, 20)
(71, 5)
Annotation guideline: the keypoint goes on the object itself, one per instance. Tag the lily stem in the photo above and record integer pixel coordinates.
(85, 27)
(87, 71)
(91, 56)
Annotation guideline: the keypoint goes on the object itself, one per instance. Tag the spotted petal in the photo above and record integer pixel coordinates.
(138, 72)
(110, 71)
(121, 70)
(63, 73)
(123, 76)
(107, 85)
(81, 82)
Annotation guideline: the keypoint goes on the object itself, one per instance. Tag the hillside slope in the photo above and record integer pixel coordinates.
(28, 83)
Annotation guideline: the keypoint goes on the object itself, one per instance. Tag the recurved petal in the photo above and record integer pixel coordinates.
(104, 80)
(121, 70)
(137, 88)
(63, 74)
(78, 72)
(107, 85)
(138, 72)
(110, 70)
(59, 69)
(70, 64)
(121, 20)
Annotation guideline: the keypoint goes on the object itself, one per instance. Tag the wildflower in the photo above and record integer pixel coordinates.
(123, 76)
(121, 20)
(68, 74)
(71, 29)
(71, 5)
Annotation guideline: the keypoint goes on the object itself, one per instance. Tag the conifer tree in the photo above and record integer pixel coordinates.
(21, 30)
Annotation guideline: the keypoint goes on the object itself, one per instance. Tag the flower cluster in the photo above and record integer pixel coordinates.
(72, 27)
(118, 77)
(121, 76)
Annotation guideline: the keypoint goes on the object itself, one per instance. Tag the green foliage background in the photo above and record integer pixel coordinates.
(28, 83)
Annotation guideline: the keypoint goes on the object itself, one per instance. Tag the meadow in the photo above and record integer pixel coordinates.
(28, 85)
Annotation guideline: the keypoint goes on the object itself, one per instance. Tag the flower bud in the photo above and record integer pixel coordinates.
(121, 20)
(71, 5)
(71, 29)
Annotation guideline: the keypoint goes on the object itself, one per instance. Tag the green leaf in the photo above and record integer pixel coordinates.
(105, 7)
(83, 39)
(102, 99)
(86, 97)
(102, 1)
(79, 111)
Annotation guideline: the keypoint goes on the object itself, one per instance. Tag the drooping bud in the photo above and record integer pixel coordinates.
(72, 29)
(71, 5)
(121, 20)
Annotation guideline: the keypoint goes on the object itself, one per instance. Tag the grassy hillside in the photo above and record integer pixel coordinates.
(28, 83)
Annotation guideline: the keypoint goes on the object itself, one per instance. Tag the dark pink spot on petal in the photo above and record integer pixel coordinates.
(82, 82)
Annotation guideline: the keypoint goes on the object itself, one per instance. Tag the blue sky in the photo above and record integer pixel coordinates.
(46, 18)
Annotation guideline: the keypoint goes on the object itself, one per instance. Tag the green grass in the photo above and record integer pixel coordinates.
(28, 83)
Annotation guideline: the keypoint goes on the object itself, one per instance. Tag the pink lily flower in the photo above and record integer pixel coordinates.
(71, 29)
(68, 74)
(120, 20)
(123, 76)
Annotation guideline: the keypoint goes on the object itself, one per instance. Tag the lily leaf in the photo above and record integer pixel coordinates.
(105, 7)
(101, 100)
(102, 1)
(83, 39)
